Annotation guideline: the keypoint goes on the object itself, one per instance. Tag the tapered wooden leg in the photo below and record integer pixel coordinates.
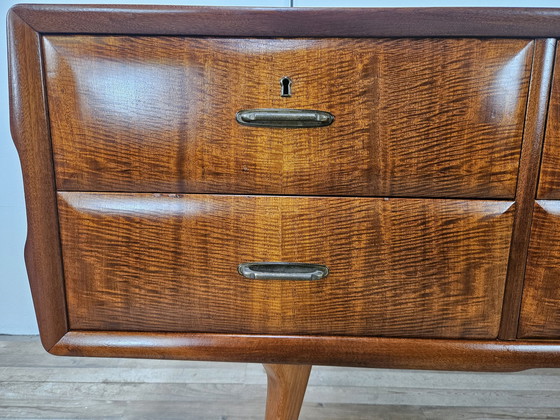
(286, 388)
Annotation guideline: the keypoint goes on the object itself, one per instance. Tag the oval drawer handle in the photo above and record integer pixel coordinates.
(282, 271)
(284, 118)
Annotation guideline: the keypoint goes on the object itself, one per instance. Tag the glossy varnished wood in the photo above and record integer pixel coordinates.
(320, 22)
(549, 183)
(27, 24)
(285, 390)
(533, 135)
(30, 132)
(398, 267)
(540, 312)
(429, 117)
(398, 353)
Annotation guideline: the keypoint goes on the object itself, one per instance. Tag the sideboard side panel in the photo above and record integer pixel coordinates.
(30, 131)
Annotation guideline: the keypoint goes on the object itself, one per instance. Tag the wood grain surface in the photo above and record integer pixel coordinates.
(540, 312)
(549, 182)
(426, 118)
(398, 267)
(533, 136)
(512, 22)
(154, 275)
(30, 132)
(285, 390)
(378, 352)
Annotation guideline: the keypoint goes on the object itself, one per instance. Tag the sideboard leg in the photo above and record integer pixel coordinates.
(286, 388)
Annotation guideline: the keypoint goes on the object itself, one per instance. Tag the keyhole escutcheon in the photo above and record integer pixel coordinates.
(286, 87)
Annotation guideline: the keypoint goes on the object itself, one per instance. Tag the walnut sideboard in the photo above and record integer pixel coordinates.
(358, 187)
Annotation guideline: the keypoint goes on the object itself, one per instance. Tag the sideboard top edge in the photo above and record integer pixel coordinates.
(291, 22)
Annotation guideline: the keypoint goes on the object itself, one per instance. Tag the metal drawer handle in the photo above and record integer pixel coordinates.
(282, 271)
(284, 118)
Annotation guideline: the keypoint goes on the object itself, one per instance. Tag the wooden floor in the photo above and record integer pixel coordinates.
(36, 385)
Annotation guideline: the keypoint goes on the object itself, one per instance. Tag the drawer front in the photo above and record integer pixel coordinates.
(540, 311)
(413, 117)
(398, 267)
(549, 182)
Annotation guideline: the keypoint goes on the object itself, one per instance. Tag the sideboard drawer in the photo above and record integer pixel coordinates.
(549, 182)
(398, 267)
(412, 117)
(540, 311)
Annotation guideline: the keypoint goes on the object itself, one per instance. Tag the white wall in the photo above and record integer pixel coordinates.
(16, 309)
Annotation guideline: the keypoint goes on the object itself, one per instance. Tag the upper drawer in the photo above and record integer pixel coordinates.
(413, 117)
(549, 182)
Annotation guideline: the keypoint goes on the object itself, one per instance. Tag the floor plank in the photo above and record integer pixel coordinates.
(36, 385)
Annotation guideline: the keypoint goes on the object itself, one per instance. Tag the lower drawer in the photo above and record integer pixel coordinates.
(398, 267)
(540, 309)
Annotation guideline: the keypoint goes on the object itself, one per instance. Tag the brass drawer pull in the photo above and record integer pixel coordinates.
(284, 118)
(282, 271)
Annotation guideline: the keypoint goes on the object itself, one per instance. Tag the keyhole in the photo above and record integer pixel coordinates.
(286, 84)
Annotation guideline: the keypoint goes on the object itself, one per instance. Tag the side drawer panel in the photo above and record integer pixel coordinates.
(540, 310)
(398, 267)
(549, 182)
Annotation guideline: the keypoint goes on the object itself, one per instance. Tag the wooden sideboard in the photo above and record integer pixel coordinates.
(358, 187)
